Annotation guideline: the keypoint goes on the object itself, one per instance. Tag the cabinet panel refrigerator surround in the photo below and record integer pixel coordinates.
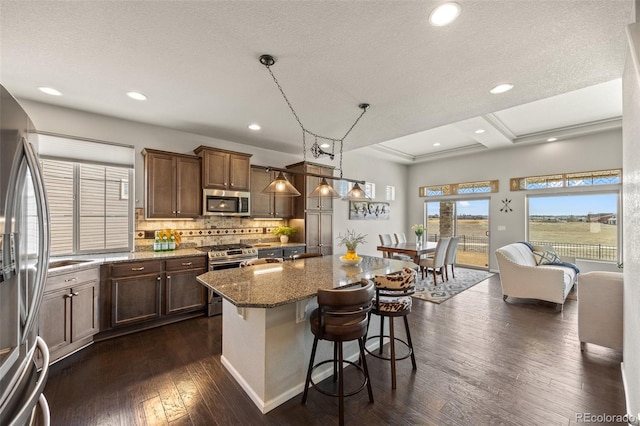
(24, 254)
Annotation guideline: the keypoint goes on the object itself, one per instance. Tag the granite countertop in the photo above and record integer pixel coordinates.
(93, 260)
(273, 284)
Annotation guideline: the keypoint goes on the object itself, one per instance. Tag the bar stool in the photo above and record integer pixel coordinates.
(341, 316)
(393, 299)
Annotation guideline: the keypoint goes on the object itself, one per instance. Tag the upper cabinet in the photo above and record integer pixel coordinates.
(268, 205)
(172, 185)
(223, 169)
(306, 184)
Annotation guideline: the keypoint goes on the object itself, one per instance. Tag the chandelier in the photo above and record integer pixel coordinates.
(281, 186)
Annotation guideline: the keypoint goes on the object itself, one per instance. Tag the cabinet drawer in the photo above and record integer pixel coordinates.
(71, 279)
(271, 252)
(195, 262)
(288, 251)
(136, 268)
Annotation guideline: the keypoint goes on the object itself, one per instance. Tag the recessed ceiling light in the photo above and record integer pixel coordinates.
(436, 144)
(552, 139)
(444, 14)
(325, 145)
(255, 126)
(137, 96)
(479, 131)
(50, 91)
(501, 88)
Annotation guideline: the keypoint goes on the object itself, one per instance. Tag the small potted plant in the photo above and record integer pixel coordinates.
(284, 232)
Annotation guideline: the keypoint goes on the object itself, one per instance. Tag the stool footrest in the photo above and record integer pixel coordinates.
(318, 387)
(388, 358)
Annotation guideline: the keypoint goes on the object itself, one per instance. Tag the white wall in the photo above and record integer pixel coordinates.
(593, 152)
(49, 118)
(631, 186)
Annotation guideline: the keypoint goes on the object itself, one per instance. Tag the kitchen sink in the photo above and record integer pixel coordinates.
(66, 262)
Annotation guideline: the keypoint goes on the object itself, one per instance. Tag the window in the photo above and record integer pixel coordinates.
(581, 225)
(567, 180)
(468, 188)
(88, 212)
(390, 193)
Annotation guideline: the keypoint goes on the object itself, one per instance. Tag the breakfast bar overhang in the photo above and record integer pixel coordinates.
(266, 341)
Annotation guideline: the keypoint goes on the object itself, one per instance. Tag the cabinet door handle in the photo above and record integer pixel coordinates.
(178, 211)
(138, 269)
(231, 183)
(187, 263)
(158, 279)
(70, 295)
(74, 293)
(168, 277)
(71, 279)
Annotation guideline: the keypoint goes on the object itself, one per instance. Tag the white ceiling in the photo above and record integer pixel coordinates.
(197, 61)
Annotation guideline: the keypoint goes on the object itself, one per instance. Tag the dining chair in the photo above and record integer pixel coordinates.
(262, 261)
(400, 238)
(385, 240)
(437, 261)
(450, 257)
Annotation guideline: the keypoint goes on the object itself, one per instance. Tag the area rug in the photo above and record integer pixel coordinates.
(465, 278)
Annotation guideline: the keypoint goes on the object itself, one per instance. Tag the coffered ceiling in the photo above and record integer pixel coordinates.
(197, 61)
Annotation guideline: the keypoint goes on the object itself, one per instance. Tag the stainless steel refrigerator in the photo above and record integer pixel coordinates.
(24, 256)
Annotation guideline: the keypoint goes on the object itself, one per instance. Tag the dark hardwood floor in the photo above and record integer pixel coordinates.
(481, 361)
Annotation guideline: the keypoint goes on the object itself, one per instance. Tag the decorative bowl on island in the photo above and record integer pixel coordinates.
(350, 261)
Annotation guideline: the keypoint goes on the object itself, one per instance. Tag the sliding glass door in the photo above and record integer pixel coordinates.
(468, 219)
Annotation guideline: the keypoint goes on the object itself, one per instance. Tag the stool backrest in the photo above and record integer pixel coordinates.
(401, 284)
(304, 255)
(251, 262)
(344, 311)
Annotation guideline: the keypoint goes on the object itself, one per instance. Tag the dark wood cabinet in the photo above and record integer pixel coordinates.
(135, 292)
(223, 169)
(318, 230)
(183, 292)
(150, 293)
(69, 312)
(172, 185)
(317, 212)
(268, 205)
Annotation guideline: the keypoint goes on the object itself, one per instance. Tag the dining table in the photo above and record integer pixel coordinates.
(411, 249)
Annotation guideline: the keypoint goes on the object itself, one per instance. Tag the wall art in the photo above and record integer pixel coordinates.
(368, 210)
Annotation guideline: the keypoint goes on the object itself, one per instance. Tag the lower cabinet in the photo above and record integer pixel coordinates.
(135, 292)
(147, 294)
(69, 312)
(283, 252)
(183, 292)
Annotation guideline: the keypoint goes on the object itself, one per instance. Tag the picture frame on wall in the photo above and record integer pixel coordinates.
(369, 210)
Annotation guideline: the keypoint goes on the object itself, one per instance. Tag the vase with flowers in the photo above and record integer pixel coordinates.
(351, 241)
(418, 229)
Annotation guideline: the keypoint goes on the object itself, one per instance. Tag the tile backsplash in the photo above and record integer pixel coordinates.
(206, 231)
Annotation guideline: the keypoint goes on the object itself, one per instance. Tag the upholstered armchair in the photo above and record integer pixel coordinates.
(600, 309)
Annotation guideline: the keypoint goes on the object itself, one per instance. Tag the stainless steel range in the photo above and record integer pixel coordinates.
(225, 256)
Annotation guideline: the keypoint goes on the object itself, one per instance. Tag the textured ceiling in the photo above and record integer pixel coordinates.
(198, 64)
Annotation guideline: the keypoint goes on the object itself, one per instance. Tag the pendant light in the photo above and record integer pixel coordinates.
(280, 186)
(324, 190)
(356, 194)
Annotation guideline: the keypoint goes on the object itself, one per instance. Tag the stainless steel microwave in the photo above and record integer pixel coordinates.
(216, 202)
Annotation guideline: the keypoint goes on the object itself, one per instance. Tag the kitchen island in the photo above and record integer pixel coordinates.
(266, 340)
